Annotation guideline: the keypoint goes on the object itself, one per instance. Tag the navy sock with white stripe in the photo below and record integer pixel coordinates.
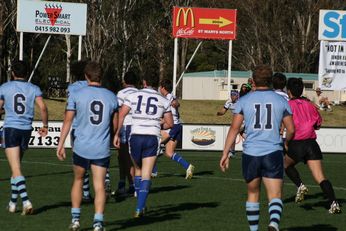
(21, 187)
(14, 191)
(275, 211)
(252, 214)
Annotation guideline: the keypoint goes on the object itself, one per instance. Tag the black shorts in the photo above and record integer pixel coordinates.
(14, 137)
(304, 150)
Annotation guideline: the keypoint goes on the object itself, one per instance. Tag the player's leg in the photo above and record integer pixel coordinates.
(252, 204)
(99, 170)
(123, 151)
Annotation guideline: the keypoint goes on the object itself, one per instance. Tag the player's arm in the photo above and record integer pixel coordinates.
(44, 115)
(124, 110)
(221, 112)
(231, 136)
(167, 120)
(289, 125)
(115, 122)
(68, 118)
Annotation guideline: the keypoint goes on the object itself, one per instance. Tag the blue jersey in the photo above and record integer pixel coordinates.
(73, 88)
(263, 111)
(94, 107)
(19, 103)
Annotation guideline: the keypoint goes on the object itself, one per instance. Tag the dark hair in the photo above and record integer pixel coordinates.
(262, 75)
(167, 84)
(279, 81)
(93, 71)
(77, 70)
(131, 78)
(295, 86)
(151, 76)
(242, 91)
(20, 69)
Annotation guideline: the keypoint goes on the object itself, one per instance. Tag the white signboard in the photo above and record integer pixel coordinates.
(332, 66)
(332, 25)
(51, 17)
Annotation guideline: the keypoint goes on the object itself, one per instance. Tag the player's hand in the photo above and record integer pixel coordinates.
(116, 141)
(60, 153)
(43, 131)
(224, 162)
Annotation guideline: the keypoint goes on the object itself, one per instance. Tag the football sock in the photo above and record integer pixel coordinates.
(293, 174)
(138, 180)
(98, 219)
(14, 190)
(275, 211)
(155, 168)
(21, 187)
(143, 194)
(177, 158)
(252, 214)
(86, 189)
(328, 190)
(121, 184)
(107, 179)
(75, 213)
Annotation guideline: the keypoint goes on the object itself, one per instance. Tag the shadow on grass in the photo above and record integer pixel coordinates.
(167, 188)
(159, 214)
(42, 174)
(318, 227)
(52, 206)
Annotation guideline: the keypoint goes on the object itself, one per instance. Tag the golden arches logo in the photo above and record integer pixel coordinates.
(186, 14)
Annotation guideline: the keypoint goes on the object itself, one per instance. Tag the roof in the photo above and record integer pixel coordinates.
(244, 74)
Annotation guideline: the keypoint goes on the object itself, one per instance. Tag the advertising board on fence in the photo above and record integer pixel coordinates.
(51, 17)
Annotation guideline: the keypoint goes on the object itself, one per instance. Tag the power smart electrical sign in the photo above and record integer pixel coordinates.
(51, 17)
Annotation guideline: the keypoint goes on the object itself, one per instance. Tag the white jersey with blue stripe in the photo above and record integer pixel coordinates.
(19, 103)
(148, 107)
(73, 88)
(122, 94)
(175, 111)
(263, 111)
(229, 105)
(94, 107)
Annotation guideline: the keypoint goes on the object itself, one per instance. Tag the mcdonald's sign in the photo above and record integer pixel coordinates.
(205, 23)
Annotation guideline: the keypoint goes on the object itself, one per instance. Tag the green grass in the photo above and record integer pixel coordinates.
(203, 112)
(212, 200)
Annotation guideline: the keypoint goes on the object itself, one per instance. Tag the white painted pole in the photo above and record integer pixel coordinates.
(39, 58)
(175, 65)
(80, 47)
(229, 67)
(188, 64)
(21, 42)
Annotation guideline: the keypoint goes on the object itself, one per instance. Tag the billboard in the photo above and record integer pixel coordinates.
(51, 17)
(205, 23)
(332, 25)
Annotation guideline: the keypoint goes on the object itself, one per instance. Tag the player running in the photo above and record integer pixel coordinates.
(263, 112)
(94, 108)
(18, 97)
(147, 107)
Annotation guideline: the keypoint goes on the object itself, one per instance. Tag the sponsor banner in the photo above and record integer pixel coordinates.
(51, 17)
(332, 25)
(49, 141)
(205, 23)
(332, 66)
(332, 139)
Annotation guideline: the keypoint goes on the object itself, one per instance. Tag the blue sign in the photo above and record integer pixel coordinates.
(332, 25)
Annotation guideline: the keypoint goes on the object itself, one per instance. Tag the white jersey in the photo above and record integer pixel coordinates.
(148, 107)
(175, 112)
(122, 94)
(229, 105)
(283, 94)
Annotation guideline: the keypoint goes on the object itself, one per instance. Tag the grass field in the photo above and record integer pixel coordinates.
(212, 200)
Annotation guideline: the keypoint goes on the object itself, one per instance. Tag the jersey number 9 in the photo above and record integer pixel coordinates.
(96, 108)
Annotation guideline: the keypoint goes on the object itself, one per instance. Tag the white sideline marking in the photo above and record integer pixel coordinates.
(166, 173)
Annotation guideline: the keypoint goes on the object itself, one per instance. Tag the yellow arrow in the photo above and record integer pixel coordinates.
(210, 21)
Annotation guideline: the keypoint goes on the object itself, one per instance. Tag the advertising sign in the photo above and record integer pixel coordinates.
(332, 25)
(332, 66)
(205, 23)
(51, 17)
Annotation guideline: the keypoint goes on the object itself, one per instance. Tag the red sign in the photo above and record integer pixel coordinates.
(205, 23)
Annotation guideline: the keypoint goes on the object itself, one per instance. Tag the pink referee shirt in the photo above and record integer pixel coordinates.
(306, 119)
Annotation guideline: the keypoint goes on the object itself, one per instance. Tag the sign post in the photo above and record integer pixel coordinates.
(203, 23)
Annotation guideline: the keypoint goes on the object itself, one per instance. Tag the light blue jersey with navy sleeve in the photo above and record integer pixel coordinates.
(19, 103)
(94, 107)
(73, 88)
(263, 111)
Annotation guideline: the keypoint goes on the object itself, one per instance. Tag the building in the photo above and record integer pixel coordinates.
(212, 85)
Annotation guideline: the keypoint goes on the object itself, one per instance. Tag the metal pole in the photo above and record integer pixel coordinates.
(175, 65)
(80, 47)
(21, 38)
(229, 66)
(39, 58)
(188, 64)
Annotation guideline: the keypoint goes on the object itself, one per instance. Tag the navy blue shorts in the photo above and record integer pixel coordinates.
(85, 163)
(270, 166)
(13, 137)
(142, 146)
(304, 150)
(125, 134)
(175, 132)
